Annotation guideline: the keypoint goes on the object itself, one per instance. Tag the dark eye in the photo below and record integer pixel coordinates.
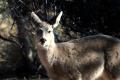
(49, 31)
(39, 32)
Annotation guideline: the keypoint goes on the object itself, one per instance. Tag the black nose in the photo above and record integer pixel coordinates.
(42, 40)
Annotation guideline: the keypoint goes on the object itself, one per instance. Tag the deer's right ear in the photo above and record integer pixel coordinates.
(58, 19)
(36, 18)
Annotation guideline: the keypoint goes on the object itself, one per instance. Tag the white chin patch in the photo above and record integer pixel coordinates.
(46, 46)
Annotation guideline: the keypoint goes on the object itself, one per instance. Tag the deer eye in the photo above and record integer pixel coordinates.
(49, 31)
(39, 31)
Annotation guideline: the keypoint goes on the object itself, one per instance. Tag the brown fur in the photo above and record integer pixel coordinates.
(90, 58)
(105, 76)
(82, 58)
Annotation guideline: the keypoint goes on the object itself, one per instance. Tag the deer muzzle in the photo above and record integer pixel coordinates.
(42, 41)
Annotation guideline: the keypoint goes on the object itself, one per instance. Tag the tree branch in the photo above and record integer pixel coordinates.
(10, 40)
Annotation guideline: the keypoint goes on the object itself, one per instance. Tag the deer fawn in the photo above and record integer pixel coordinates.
(88, 58)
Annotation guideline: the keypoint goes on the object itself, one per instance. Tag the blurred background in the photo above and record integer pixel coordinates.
(18, 58)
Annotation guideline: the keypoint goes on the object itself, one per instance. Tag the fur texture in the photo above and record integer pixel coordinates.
(85, 58)
(90, 58)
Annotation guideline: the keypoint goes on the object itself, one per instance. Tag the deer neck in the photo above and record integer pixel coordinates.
(51, 47)
(51, 53)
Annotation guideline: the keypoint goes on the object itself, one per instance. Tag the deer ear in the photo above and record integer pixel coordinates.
(36, 18)
(58, 19)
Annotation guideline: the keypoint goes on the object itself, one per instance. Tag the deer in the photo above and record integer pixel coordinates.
(95, 57)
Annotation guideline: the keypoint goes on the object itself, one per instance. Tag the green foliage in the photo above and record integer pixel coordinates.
(3, 5)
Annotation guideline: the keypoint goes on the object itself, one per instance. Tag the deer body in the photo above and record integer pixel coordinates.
(80, 59)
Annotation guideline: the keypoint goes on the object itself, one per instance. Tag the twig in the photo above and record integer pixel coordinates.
(9, 40)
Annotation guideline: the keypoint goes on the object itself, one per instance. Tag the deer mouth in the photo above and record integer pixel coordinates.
(42, 41)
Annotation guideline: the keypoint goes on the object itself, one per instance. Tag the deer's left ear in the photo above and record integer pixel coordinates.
(58, 19)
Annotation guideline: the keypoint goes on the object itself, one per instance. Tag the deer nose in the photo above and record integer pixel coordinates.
(42, 40)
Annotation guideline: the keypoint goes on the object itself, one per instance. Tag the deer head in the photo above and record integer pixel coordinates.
(44, 32)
